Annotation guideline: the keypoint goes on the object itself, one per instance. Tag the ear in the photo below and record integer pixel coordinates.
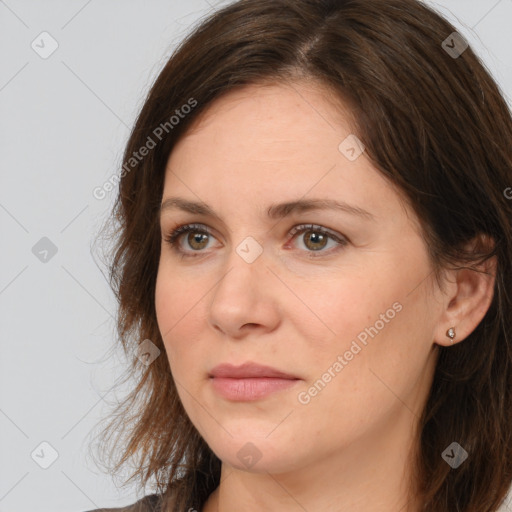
(468, 297)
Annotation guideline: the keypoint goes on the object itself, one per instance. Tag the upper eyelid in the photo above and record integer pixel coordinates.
(296, 229)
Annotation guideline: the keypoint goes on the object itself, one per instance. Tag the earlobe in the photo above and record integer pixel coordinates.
(451, 334)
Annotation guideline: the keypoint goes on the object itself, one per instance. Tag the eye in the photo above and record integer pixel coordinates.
(316, 239)
(197, 238)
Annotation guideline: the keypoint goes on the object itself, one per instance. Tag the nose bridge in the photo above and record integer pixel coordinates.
(244, 267)
(237, 299)
(249, 250)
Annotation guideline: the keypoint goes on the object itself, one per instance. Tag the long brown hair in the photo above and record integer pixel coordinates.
(433, 122)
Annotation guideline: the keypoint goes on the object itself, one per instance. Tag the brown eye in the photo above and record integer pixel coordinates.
(314, 240)
(197, 240)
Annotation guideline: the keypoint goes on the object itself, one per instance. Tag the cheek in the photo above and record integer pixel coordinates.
(368, 321)
(177, 296)
(177, 309)
(333, 311)
(324, 319)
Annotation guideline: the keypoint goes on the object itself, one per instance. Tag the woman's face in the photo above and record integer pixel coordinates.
(351, 314)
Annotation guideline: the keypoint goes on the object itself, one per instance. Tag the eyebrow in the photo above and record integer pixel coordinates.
(275, 211)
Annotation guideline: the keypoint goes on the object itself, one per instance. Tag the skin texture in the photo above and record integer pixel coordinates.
(347, 448)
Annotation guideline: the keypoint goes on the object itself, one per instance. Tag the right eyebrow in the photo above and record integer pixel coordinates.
(275, 211)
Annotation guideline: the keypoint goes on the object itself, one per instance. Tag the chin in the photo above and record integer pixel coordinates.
(258, 455)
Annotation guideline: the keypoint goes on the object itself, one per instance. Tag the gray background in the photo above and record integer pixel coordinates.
(64, 120)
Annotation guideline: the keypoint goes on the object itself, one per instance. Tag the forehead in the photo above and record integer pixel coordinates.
(277, 114)
(273, 143)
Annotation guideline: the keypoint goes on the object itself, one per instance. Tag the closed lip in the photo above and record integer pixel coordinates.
(249, 370)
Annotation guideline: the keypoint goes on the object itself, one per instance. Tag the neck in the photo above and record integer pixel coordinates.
(363, 476)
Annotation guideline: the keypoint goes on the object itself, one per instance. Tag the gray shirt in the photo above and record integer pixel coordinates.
(147, 504)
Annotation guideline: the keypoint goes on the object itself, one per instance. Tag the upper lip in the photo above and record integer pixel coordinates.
(248, 370)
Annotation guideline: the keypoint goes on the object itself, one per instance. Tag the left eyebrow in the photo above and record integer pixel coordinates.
(275, 211)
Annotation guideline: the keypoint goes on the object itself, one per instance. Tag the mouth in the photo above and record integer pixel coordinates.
(248, 389)
(249, 370)
(249, 381)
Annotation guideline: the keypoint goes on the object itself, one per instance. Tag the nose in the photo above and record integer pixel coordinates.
(246, 297)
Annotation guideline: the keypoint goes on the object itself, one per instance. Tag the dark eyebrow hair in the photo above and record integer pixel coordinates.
(275, 211)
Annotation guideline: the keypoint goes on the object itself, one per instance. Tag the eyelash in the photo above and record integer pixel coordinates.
(172, 238)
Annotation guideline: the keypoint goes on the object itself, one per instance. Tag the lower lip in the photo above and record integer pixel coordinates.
(251, 388)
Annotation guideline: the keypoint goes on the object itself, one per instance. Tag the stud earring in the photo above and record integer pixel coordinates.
(451, 334)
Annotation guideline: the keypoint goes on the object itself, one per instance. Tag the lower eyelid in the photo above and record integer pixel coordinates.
(297, 231)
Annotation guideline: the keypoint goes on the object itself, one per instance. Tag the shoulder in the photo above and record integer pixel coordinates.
(147, 504)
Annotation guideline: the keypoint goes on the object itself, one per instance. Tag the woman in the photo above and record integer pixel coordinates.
(313, 263)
